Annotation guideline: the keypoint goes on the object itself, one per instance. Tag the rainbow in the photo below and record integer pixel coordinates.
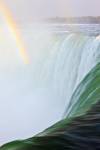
(5, 11)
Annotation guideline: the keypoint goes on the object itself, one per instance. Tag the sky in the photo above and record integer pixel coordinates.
(28, 10)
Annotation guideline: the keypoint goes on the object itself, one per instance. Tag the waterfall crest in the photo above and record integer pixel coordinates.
(66, 63)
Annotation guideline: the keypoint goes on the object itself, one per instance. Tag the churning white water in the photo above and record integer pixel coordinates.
(35, 96)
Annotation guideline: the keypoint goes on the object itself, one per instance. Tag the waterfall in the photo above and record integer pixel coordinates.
(67, 61)
(43, 88)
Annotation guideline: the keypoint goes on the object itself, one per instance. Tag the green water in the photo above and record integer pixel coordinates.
(86, 94)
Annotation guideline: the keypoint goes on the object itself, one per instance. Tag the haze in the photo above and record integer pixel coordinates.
(31, 97)
(28, 10)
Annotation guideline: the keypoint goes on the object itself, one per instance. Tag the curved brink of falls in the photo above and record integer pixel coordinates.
(80, 128)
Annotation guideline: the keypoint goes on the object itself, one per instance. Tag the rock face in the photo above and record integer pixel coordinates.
(81, 127)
